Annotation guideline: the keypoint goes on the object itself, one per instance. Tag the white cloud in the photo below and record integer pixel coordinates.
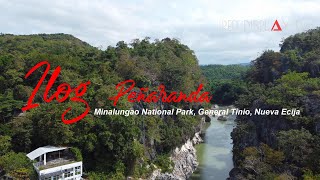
(221, 32)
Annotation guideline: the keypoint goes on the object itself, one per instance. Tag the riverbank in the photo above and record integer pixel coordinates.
(215, 154)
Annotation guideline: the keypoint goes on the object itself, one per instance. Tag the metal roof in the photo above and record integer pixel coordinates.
(42, 150)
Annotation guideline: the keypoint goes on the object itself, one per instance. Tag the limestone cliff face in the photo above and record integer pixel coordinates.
(185, 161)
(263, 129)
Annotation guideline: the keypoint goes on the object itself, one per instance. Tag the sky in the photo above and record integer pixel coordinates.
(219, 32)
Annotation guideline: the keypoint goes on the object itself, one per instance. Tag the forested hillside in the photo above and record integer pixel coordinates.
(215, 72)
(281, 147)
(226, 82)
(111, 147)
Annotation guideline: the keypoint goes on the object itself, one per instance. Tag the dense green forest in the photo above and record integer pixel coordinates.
(214, 72)
(225, 82)
(281, 147)
(112, 147)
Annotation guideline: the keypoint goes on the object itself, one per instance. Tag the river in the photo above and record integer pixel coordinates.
(215, 155)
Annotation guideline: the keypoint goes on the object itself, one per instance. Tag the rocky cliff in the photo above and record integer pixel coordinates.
(184, 159)
(253, 130)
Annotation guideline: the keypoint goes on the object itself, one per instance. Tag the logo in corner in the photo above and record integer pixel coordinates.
(276, 26)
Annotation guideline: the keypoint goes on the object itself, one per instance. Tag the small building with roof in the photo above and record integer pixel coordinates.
(56, 163)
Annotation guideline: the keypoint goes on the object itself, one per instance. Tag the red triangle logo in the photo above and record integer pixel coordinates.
(276, 26)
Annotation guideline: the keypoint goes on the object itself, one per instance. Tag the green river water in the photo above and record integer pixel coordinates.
(215, 155)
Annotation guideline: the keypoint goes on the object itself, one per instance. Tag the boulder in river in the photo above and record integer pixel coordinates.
(222, 118)
(207, 119)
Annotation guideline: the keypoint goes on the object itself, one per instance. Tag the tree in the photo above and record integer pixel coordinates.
(5, 144)
(296, 144)
(16, 165)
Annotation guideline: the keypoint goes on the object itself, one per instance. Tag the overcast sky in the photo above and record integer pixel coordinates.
(220, 32)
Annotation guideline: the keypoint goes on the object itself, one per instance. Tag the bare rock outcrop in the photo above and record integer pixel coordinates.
(184, 159)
